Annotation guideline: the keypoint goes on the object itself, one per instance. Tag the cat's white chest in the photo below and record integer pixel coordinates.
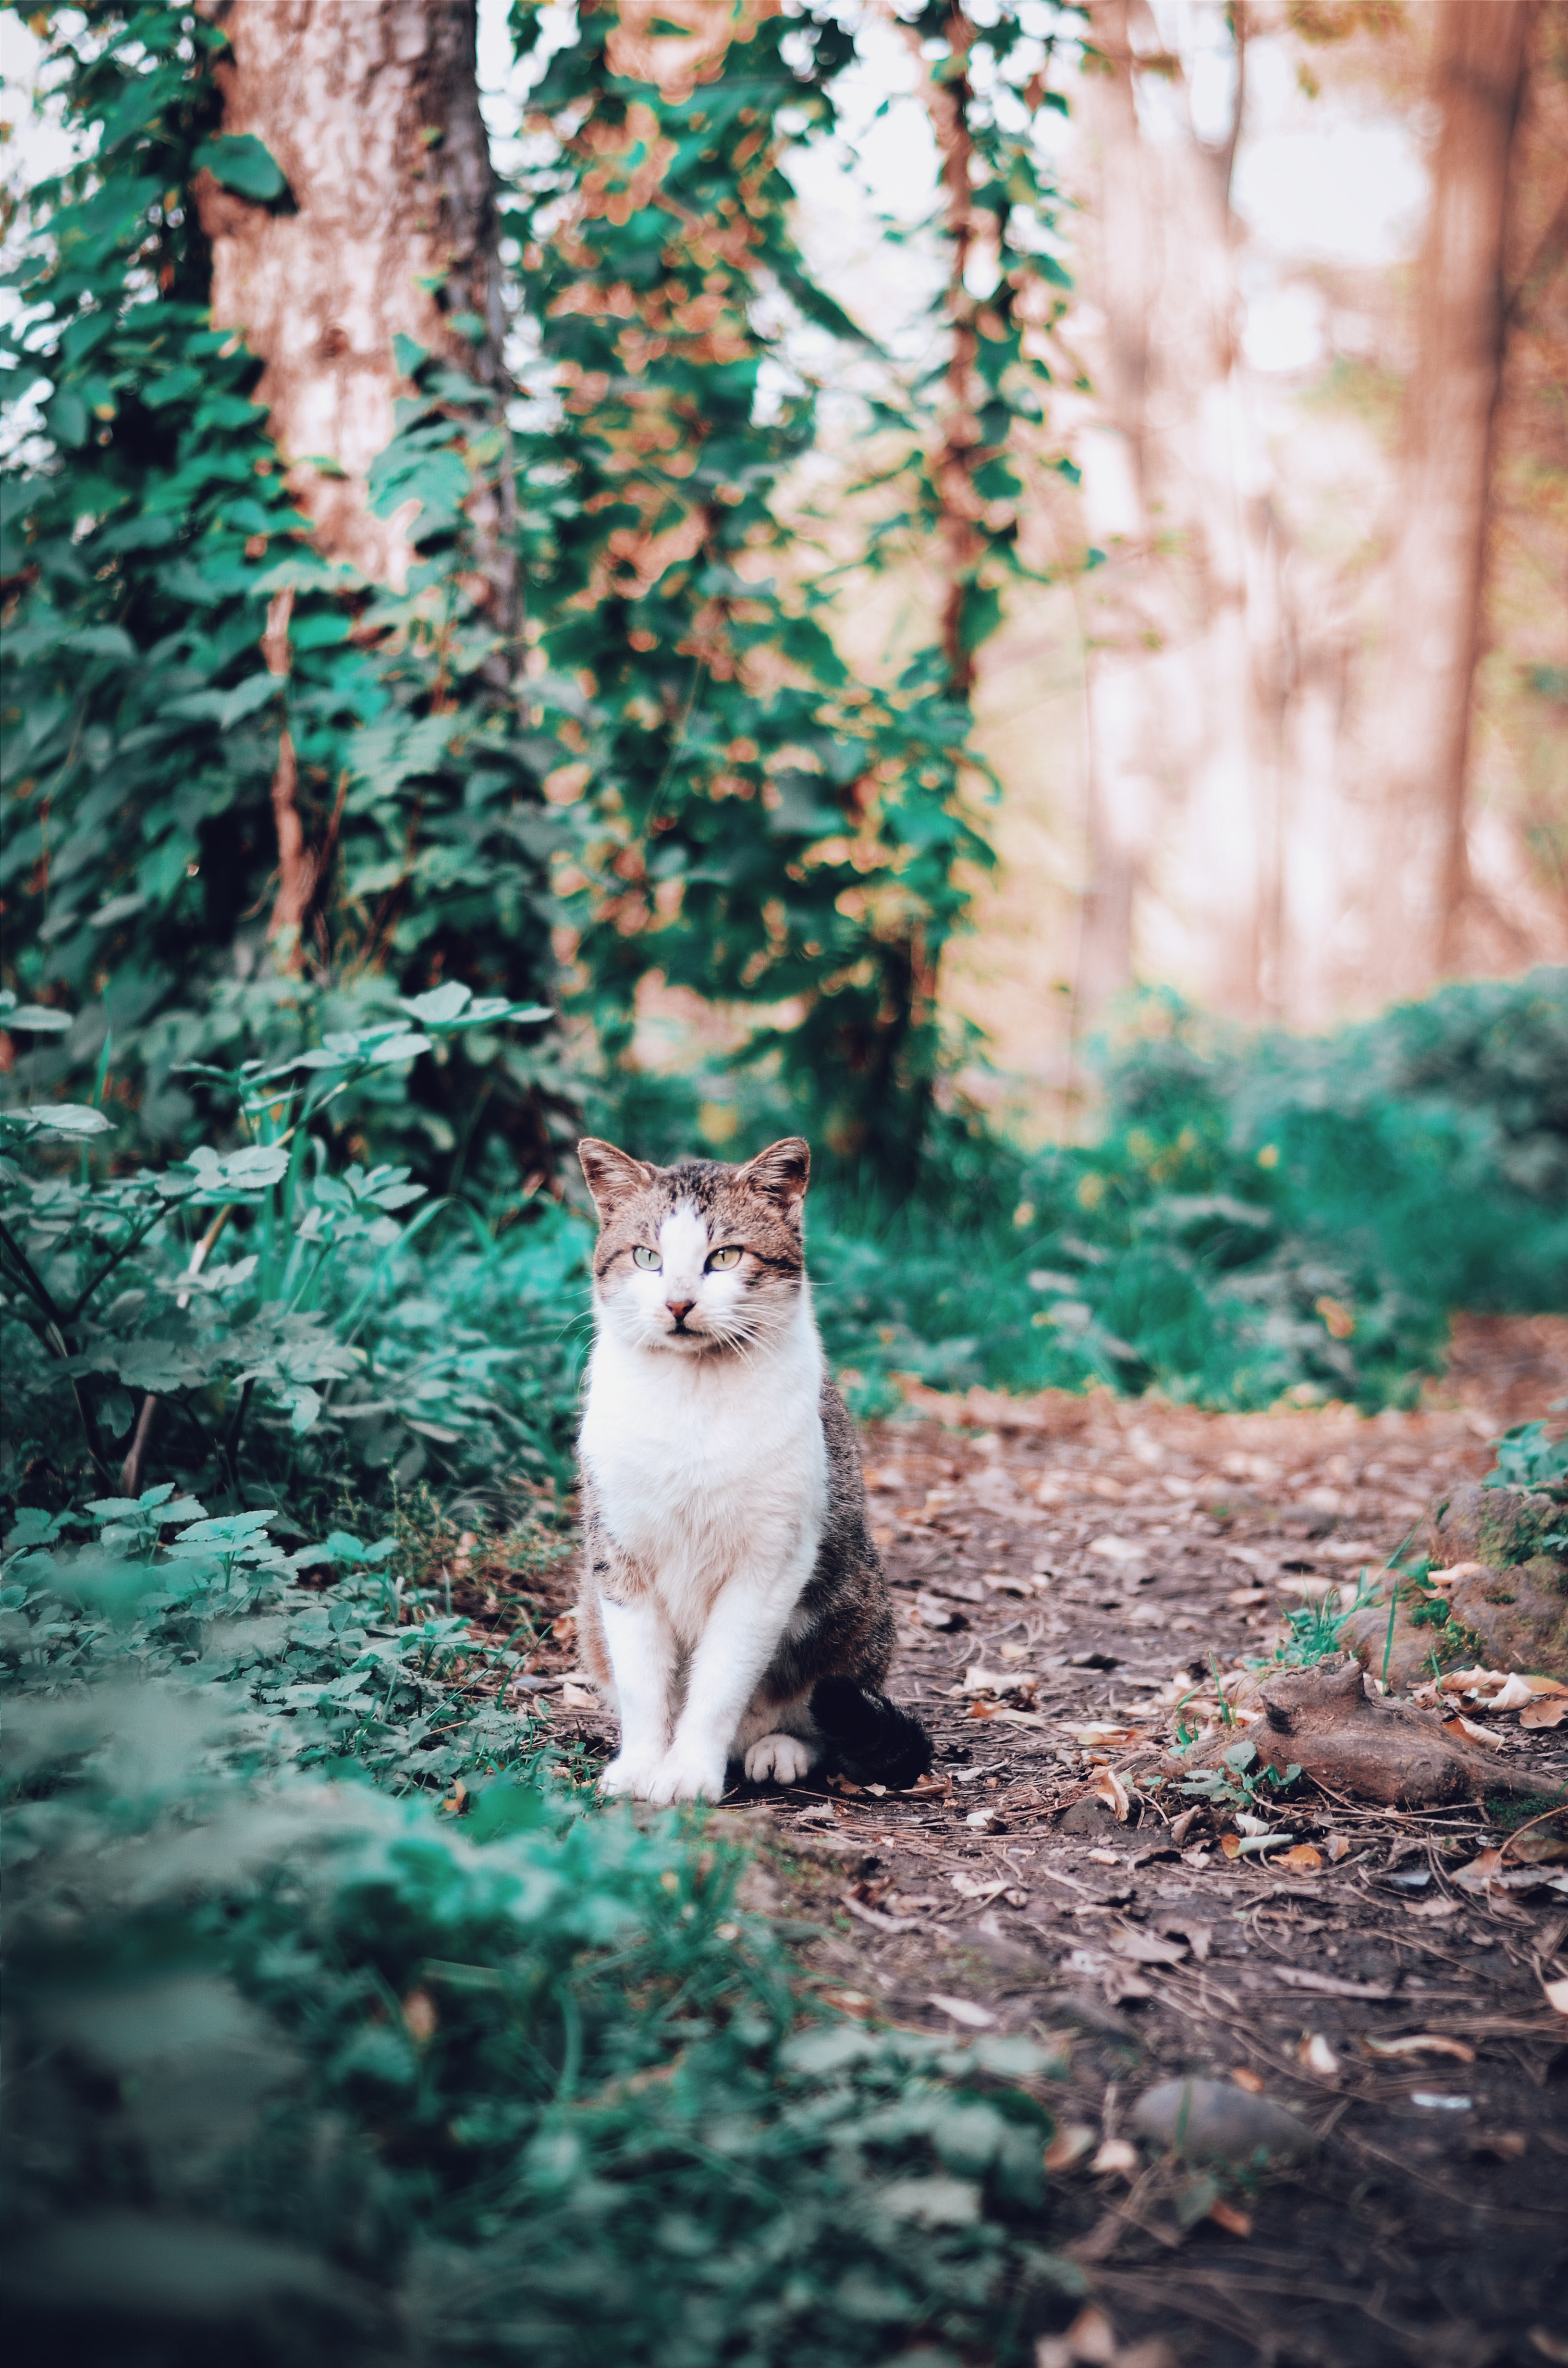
(708, 1468)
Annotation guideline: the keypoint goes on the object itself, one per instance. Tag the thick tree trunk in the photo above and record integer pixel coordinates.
(1413, 897)
(371, 109)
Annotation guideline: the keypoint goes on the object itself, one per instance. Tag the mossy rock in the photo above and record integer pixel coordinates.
(1509, 1610)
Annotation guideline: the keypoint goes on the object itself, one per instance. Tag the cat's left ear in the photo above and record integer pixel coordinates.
(613, 1176)
(782, 1172)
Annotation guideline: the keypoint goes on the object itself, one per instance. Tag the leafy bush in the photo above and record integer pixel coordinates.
(329, 1344)
(1528, 1459)
(1261, 1217)
(311, 2072)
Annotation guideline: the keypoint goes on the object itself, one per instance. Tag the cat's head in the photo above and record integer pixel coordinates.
(700, 1257)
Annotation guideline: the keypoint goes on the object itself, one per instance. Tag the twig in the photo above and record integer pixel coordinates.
(130, 1470)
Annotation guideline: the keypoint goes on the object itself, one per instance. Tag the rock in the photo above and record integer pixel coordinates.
(1508, 1609)
(1213, 2121)
(1089, 1815)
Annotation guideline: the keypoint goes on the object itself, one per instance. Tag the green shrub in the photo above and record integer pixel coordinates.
(307, 2071)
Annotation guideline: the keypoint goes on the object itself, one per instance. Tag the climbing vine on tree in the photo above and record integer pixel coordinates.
(189, 681)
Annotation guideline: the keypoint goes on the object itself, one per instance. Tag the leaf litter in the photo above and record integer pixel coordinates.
(1296, 1964)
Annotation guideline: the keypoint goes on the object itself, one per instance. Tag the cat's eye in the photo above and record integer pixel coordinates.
(644, 1256)
(720, 1259)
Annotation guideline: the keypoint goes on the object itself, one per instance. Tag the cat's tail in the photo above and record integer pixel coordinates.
(868, 1738)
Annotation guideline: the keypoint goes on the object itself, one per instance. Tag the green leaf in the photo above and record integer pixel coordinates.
(69, 419)
(238, 160)
(59, 1118)
(39, 1018)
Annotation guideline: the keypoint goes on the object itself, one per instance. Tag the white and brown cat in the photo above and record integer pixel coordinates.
(734, 1604)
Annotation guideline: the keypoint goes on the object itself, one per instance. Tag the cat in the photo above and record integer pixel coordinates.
(734, 1604)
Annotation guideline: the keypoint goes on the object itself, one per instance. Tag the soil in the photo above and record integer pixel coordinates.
(1096, 1569)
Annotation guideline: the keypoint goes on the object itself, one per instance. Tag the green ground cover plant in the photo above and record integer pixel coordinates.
(301, 2066)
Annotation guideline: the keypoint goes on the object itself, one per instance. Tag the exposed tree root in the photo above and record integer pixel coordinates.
(1330, 1722)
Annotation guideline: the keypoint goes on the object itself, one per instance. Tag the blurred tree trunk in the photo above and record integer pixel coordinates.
(371, 109)
(1180, 624)
(1415, 897)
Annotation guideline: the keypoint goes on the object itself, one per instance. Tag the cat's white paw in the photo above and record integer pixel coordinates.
(784, 1758)
(686, 1774)
(627, 1774)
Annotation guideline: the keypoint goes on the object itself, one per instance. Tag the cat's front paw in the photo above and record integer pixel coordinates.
(687, 1773)
(784, 1759)
(627, 1773)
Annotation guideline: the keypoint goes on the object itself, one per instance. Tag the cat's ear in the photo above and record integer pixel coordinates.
(613, 1176)
(781, 1172)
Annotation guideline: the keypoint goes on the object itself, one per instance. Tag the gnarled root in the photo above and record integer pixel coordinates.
(1331, 1723)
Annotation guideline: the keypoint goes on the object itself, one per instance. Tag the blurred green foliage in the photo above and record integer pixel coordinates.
(306, 2071)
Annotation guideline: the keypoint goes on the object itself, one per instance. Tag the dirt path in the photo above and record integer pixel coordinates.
(1092, 1577)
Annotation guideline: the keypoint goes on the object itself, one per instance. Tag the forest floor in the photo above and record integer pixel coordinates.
(1059, 1589)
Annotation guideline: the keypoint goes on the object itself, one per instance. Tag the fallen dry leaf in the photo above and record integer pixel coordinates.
(1118, 1550)
(1481, 1871)
(1144, 1949)
(1245, 2077)
(1316, 2056)
(1434, 1910)
(964, 2011)
(1109, 1787)
(1543, 1711)
(1301, 1859)
(1475, 1680)
(1089, 2342)
(1421, 2043)
(1302, 1978)
(1225, 2215)
(1070, 2145)
(1475, 1732)
(1546, 1685)
(1153, 2353)
(575, 1697)
(977, 1886)
(1117, 2155)
(1506, 2145)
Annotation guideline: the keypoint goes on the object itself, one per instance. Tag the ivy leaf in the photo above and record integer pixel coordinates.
(238, 160)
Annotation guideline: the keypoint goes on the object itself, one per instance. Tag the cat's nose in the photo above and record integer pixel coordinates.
(680, 1308)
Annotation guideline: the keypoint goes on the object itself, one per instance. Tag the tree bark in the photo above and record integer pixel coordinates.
(1414, 898)
(1178, 623)
(948, 103)
(370, 107)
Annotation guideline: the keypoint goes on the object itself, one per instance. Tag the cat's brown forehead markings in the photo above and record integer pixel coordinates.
(734, 1207)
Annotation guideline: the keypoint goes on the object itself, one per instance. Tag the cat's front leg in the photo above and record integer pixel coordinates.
(738, 1644)
(641, 1661)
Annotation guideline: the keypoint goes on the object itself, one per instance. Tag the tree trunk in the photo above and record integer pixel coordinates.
(370, 107)
(1180, 696)
(1414, 898)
